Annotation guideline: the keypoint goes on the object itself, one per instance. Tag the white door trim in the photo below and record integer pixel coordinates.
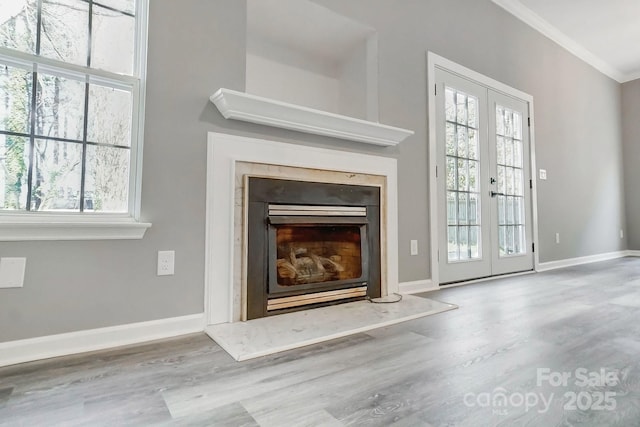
(436, 61)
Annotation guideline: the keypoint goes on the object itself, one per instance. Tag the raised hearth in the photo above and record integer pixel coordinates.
(269, 335)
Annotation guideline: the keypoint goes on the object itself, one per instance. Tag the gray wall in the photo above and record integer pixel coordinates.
(631, 139)
(577, 110)
(197, 46)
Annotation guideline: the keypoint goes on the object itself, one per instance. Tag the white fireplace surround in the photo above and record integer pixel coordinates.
(223, 152)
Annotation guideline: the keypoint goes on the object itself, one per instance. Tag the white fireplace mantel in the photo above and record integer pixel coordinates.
(257, 109)
(223, 153)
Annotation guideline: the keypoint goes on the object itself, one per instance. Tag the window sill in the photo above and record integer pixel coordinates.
(25, 227)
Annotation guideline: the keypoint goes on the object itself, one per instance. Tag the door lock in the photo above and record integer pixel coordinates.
(492, 180)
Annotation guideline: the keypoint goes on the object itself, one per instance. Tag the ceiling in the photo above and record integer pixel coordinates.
(603, 33)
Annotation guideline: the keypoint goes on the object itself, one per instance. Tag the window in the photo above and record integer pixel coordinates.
(70, 106)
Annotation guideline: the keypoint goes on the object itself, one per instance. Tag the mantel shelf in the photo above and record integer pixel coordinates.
(256, 109)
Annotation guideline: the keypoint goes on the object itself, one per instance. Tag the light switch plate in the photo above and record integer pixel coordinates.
(543, 174)
(12, 272)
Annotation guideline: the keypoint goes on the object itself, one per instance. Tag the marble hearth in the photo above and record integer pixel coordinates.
(231, 160)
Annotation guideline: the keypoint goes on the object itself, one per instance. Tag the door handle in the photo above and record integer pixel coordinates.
(494, 194)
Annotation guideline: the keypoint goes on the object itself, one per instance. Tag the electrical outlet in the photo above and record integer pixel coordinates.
(557, 238)
(414, 247)
(12, 272)
(166, 261)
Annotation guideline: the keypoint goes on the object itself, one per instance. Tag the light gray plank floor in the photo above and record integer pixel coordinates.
(416, 373)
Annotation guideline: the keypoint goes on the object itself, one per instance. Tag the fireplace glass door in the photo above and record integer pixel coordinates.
(317, 254)
(312, 255)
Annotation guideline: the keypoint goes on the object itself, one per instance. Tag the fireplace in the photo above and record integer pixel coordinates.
(231, 159)
(310, 244)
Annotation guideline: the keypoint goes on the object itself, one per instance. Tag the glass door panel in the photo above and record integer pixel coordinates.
(462, 164)
(461, 113)
(511, 221)
(511, 196)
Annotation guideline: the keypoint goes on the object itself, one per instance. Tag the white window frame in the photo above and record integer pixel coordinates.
(25, 226)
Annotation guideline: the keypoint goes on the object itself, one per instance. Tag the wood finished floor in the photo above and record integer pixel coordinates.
(412, 374)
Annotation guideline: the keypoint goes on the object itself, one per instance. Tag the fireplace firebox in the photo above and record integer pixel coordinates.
(310, 244)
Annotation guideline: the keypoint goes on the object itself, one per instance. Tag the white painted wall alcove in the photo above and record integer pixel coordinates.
(223, 152)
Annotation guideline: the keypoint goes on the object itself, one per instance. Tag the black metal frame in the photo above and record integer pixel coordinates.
(263, 191)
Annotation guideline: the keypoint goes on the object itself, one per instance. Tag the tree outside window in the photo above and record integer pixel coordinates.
(68, 90)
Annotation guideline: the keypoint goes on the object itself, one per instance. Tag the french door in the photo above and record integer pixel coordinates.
(483, 177)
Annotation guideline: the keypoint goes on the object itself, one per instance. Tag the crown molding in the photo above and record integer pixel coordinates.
(529, 17)
(631, 77)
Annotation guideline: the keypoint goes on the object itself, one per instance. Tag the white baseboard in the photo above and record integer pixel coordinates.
(416, 286)
(20, 351)
(486, 279)
(427, 285)
(31, 349)
(552, 265)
